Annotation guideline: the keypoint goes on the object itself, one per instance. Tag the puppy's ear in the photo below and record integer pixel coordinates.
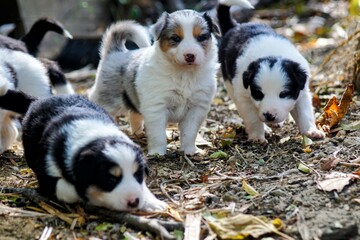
(159, 26)
(249, 74)
(84, 168)
(295, 72)
(214, 28)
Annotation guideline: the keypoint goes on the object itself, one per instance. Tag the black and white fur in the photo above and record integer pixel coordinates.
(21, 71)
(265, 75)
(78, 153)
(30, 43)
(173, 80)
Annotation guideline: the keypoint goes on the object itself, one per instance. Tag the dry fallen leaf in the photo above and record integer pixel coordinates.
(242, 226)
(336, 181)
(249, 189)
(334, 111)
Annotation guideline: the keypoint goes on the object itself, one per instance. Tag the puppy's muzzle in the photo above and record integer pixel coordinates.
(269, 116)
(133, 203)
(189, 58)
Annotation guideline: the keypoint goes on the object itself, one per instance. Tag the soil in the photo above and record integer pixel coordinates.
(215, 183)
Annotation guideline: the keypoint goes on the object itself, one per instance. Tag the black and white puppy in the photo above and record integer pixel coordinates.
(265, 76)
(21, 71)
(78, 153)
(173, 80)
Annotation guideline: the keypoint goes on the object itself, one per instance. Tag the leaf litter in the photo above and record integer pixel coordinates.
(263, 183)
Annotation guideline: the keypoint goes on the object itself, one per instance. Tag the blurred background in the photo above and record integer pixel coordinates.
(305, 21)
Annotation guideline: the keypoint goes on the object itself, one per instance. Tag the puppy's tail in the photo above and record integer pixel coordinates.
(15, 101)
(117, 34)
(223, 13)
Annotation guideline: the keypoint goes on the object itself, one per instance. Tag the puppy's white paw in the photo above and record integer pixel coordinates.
(268, 129)
(159, 151)
(258, 139)
(154, 204)
(314, 133)
(192, 150)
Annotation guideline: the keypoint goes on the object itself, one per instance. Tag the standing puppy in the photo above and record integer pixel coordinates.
(78, 153)
(265, 75)
(173, 80)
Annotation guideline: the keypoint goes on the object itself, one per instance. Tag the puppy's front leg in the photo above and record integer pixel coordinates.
(304, 117)
(253, 126)
(189, 127)
(155, 128)
(151, 203)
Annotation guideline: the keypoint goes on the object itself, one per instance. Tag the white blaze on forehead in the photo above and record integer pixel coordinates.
(123, 155)
(271, 80)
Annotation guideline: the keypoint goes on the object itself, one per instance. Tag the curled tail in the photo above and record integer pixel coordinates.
(223, 13)
(117, 34)
(16, 101)
(37, 32)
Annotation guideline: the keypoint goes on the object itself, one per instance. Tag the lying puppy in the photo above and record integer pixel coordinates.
(23, 72)
(265, 75)
(78, 153)
(173, 80)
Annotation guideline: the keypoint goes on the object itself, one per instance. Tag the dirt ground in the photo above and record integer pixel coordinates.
(213, 183)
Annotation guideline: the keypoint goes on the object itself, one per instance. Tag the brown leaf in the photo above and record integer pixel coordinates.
(330, 163)
(334, 111)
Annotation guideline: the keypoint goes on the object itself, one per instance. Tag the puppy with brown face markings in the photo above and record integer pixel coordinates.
(78, 153)
(173, 80)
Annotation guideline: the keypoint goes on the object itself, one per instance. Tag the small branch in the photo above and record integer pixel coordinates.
(349, 164)
(158, 227)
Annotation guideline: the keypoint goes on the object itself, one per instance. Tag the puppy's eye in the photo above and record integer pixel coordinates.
(112, 180)
(139, 175)
(175, 39)
(257, 94)
(284, 94)
(203, 37)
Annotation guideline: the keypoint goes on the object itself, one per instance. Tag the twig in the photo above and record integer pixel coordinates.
(46, 233)
(357, 160)
(192, 226)
(349, 164)
(163, 190)
(188, 160)
(312, 169)
(158, 227)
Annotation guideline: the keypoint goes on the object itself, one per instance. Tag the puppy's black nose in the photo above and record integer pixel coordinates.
(133, 203)
(190, 58)
(269, 117)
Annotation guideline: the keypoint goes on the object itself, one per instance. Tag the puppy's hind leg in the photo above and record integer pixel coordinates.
(136, 123)
(304, 117)
(9, 131)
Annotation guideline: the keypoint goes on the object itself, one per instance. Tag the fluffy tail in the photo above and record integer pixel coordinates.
(37, 32)
(16, 101)
(223, 13)
(117, 34)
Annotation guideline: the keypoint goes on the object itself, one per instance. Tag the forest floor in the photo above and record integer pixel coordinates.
(309, 190)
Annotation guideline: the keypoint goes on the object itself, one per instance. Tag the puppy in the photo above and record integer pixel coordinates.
(265, 75)
(173, 80)
(20, 71)
(78, 153)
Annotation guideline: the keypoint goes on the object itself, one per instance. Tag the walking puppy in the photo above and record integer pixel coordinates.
(78, 153)
(173, 80)
(265, 75)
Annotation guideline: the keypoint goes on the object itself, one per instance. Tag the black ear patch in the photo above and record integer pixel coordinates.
(250, 73)
(212, 26)
(295, 72)
(159, 26)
